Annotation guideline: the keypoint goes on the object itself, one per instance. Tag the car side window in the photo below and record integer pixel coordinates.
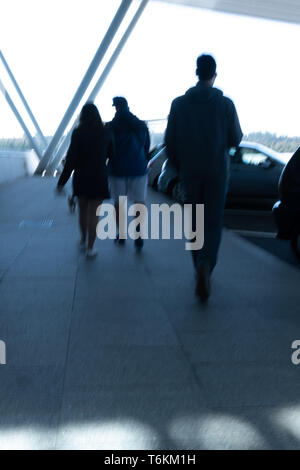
(250, 157)
(253, 157)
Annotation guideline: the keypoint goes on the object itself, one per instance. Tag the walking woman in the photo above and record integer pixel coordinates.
(91, 145)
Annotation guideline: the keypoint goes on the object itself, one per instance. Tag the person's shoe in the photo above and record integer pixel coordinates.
(82, 246)
(203, 283)
(119, 241)
(139, 243)
(91, 253)
(72, 204)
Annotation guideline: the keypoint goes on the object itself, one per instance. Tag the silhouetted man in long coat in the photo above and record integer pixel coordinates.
(202, 126)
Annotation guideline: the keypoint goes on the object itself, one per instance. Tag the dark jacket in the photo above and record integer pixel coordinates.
(89, 149)
(289, 184)
(202, 126)
(132, 142)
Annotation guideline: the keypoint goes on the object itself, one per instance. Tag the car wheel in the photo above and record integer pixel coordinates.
(295, 244)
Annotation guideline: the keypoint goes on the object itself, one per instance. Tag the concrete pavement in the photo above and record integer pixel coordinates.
(117, 353)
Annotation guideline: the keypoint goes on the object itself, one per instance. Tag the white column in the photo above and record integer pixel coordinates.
(20, 120)
(116, 22)
(62, 149)
(26, 105)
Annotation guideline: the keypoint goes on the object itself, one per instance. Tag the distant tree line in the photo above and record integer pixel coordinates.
(15, 144)
(279, 143)
(19, 143)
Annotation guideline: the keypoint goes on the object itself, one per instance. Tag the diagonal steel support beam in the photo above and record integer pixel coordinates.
(118, 50)
(25, 103)
(109, 36)
(20, 120)
(62, 149)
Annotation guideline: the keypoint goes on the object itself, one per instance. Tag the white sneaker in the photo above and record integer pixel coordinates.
(91, 253)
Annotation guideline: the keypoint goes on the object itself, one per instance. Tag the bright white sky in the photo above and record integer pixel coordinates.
(49, 45)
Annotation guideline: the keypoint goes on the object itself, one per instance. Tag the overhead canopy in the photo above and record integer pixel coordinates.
(282, 10)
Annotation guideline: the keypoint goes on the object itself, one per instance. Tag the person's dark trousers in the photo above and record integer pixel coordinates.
(210, 190)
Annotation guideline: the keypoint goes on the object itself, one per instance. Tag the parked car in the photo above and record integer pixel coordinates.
(155, 165)
(254, 174)
(168, 178)
(154, 150)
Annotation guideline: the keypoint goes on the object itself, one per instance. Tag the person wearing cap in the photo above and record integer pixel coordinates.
(202, 126)
(128, 168)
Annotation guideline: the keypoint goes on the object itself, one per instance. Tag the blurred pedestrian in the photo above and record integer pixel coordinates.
(202, 126)
(128, 169)
(289, 183)
(91, 145)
